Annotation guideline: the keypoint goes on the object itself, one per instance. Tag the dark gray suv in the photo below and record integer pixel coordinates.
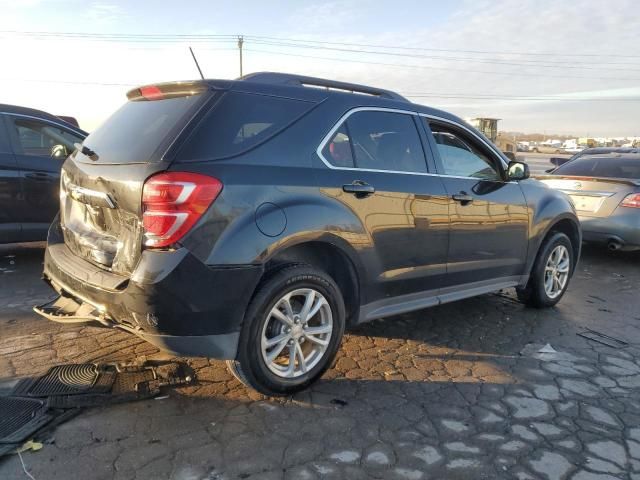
(252, 220)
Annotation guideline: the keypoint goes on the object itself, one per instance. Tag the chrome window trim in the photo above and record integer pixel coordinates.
(344, 117)
(46, 120)
(339, 123)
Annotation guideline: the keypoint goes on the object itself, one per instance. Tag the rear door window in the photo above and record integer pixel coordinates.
(239, 122)
(377, 140)
(607, 167)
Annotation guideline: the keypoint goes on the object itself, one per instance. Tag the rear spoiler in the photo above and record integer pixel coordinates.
(162, 91)
(620, 181)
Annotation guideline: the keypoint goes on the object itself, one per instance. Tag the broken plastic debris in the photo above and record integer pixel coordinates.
(161, 397)
(30, 445)
(540, 352)
(599, 337)
(547, 349)
(338, 402)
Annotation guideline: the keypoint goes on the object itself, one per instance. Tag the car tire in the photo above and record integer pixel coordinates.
(266, 321)
(557, 249)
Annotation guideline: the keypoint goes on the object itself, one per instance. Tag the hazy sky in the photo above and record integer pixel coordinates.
(540, 65)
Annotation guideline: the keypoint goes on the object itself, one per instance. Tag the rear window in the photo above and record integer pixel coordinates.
(135, 131)
(239, 122)
(608, 167)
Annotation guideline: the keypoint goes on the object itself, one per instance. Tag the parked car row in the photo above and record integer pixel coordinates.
(33, 146)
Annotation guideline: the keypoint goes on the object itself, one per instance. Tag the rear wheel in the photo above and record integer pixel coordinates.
(550, 274)
(292, 331)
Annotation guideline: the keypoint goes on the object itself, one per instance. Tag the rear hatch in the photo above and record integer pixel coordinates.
(102, 181)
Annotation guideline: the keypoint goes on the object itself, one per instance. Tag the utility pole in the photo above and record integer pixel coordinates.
(240, 43)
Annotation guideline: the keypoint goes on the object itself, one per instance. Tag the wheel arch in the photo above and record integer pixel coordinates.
(568, 225)
(328, 253)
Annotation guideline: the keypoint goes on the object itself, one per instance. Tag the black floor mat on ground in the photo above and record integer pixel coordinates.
(21, 417)
(127, 386)
(71, 379)
(36, 405)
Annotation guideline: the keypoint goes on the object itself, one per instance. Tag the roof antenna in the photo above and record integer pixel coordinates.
(196, 61)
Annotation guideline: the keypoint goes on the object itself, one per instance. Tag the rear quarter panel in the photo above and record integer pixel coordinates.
(280, 173)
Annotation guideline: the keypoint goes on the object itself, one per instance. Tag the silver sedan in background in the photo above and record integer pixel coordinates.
(605, 189)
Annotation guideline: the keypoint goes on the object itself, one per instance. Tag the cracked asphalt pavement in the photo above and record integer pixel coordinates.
(457, 391)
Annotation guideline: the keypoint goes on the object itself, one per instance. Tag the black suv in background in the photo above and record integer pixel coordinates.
(33, 145)
(252, 220)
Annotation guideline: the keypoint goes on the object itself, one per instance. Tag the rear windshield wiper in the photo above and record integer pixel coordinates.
(86, 151)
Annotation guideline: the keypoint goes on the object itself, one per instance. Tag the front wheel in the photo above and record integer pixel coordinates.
(292, 331)
(551, 273)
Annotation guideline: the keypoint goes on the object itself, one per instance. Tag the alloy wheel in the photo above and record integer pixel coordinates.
(296, 333)
(556, 271)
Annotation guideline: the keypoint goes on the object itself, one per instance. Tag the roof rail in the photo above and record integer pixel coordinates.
(301, 80)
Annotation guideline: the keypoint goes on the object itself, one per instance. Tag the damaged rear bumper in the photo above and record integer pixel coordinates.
(172, 300)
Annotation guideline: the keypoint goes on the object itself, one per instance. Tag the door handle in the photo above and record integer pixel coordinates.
(463, 198)
(39, 176)
(359, 188)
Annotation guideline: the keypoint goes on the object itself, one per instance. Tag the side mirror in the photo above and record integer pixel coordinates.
(518, 171)
(557, 161)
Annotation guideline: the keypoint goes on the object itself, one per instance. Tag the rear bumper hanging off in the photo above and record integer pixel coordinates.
(171, 300)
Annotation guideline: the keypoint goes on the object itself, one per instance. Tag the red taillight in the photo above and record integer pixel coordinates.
(632, 201)
(151, 92)
(173, 202)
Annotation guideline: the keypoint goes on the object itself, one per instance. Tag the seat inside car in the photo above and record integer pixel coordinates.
(394, 153)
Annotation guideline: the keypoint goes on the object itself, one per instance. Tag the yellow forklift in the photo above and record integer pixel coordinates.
(489, 127)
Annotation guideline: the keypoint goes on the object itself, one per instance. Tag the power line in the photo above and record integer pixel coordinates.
(491, 52)
(448, 69)
(120, 35)
(448, 59)
(71, 82)
(317, 45)
(233, 37)
(444, 95)
(119, 38)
